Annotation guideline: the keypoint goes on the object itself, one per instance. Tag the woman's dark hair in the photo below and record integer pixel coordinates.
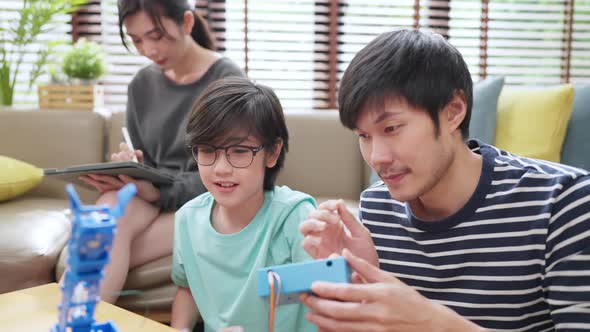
(237, 104)
(173, 9)
(421, 67)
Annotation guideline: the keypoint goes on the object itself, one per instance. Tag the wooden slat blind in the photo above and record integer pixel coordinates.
(579, 67)
(86, 22)
(301, 47)
(528, 41)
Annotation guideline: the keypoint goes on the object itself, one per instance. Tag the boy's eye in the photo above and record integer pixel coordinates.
(205, 149)
(238, 150)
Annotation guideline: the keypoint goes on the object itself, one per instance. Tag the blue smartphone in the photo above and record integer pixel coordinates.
(296, 278)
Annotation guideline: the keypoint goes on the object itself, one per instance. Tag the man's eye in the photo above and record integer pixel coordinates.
(390, 129)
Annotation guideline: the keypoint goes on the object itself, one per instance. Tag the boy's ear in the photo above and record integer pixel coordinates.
(272, 158)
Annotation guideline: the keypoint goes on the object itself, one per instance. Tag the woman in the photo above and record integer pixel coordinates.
(160, 96)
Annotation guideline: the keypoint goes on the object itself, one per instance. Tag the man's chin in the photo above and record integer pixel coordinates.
(400, 195)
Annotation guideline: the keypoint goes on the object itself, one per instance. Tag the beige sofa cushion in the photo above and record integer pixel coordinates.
(323, 159)
(32, 233)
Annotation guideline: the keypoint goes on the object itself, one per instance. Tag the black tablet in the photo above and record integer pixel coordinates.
(129, 168)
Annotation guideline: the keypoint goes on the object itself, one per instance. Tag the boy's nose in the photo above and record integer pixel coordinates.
(222, 165)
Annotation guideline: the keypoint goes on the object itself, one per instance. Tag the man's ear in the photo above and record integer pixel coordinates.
(273, 157)
(455, 111)
(188, 22)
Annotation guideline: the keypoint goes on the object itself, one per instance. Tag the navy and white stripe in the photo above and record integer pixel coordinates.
(516, 257)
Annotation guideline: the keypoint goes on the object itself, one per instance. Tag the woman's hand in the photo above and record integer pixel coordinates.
(126, 154)
(145, 189)
(103, 183)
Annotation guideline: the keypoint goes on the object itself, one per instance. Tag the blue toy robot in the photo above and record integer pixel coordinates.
(93, 229)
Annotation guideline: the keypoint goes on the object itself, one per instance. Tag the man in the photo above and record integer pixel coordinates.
(468, 237)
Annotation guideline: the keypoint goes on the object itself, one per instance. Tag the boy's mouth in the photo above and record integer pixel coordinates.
(226, 184)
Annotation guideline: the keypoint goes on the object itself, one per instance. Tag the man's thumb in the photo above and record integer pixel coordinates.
(369, 272)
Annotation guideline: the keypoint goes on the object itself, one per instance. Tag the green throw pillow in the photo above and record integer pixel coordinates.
(482, 125)
(576, 146)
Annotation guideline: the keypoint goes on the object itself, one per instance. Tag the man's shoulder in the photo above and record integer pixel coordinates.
(510, 166)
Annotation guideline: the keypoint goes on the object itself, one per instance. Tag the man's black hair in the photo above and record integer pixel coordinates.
(420, 67)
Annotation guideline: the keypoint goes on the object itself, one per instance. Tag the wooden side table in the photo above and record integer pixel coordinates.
(35, 310)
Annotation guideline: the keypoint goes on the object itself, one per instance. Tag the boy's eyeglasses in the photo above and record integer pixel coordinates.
(239, 156)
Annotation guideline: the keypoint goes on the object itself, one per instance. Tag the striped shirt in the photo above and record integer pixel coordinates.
(516, 257)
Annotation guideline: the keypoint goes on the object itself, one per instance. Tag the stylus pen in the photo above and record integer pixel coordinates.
(128, 142)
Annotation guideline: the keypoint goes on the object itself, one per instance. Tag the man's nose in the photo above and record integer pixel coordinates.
(381, 153)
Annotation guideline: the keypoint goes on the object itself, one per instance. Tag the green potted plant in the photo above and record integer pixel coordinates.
(84, 62)
(34, 19)
(73, 83)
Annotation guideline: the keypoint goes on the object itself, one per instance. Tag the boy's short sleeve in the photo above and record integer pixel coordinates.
(178, 275)
(298, 214)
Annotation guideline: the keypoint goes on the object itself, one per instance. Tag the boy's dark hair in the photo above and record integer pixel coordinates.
(172, 9)
(236, 103)
(421, 67)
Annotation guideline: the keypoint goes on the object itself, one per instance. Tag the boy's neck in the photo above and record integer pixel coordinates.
(232, 219)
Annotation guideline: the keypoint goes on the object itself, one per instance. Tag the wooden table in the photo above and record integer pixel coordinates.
(35, 310)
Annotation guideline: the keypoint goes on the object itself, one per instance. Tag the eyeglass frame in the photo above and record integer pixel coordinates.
(254, 149)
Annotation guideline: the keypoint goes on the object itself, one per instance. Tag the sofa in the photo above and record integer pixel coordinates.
(323, 160)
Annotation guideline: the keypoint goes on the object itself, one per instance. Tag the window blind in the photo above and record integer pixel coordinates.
(60, 30)
(527, 41)
(301, 47)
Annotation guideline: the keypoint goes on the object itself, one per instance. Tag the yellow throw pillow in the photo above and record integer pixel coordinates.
(17, 177)
(533, 122)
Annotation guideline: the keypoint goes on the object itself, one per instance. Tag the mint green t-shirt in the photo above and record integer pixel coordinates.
(221, 269)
